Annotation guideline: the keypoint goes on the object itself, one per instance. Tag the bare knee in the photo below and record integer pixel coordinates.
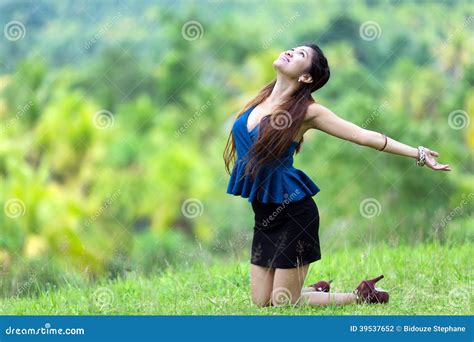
(261, 283)
(287, 285)
(261, 303)
(282, 296)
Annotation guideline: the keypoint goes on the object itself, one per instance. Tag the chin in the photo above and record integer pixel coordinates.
(277, 64)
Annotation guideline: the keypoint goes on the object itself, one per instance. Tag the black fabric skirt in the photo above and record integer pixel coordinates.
(286, 235)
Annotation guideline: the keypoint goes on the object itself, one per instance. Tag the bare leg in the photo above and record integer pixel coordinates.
(325, 298)
(288, 288)
(261, 282)
(307, 289)
(287, 284)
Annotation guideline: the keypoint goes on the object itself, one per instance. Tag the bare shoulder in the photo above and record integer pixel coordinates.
(315, 109)
(313, 112)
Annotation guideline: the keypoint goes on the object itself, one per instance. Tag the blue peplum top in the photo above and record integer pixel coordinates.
(276, 182)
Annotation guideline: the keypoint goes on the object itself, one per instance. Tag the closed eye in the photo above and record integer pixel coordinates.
(301, 52)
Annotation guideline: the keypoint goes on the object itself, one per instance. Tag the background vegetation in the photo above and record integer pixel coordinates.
(114, 118)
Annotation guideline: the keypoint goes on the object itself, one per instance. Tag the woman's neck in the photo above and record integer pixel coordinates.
(282, 91)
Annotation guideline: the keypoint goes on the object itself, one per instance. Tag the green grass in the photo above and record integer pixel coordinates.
(425, 279)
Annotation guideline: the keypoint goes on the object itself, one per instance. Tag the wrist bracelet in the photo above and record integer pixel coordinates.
(421, 159)
(385, 142)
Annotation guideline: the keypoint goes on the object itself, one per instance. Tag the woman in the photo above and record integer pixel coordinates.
(265, 135)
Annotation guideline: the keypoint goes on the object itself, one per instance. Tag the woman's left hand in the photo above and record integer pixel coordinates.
(432, 163)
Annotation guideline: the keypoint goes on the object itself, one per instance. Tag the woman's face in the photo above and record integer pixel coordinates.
(294, 62)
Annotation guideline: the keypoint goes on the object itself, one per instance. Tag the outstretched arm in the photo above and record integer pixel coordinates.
(325, 120)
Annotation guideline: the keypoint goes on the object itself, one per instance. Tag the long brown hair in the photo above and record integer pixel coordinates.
(273, 140)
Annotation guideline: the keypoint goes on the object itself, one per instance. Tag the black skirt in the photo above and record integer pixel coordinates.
(286, 235)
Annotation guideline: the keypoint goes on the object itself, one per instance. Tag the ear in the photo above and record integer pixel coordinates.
(306, 78)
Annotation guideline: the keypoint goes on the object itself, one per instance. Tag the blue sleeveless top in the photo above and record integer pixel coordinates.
(275, 183)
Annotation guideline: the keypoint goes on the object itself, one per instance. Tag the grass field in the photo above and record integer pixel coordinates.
(423, 280)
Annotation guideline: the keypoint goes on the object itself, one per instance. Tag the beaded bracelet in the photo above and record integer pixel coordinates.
(421, 159)
(385, 142)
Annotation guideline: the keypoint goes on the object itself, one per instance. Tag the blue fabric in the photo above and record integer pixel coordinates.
(276, 183)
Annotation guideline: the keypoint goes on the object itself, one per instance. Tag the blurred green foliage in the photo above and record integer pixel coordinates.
(111, 119)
